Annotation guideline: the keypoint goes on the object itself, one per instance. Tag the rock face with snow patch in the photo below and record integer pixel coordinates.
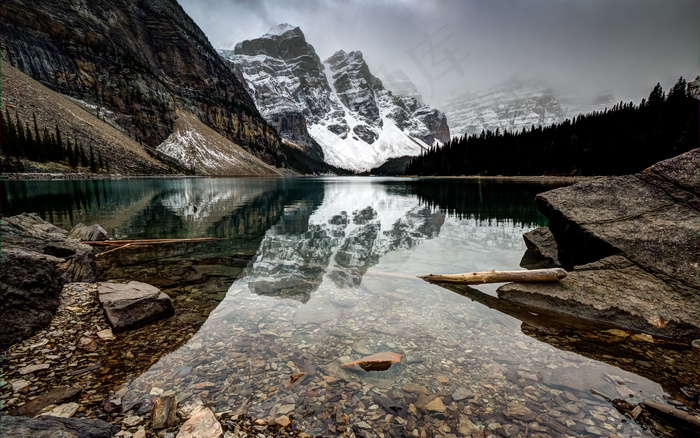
(399, 83)
(141, 61)
(335, 109)
(201, 149)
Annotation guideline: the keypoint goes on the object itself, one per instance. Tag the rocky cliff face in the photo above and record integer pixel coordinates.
(399, 83)
(336, 104)
(285, 77)
(141, 60)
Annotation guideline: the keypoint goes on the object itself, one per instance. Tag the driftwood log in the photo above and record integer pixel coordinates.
(676, 413)
(535, 275)
(148, 241)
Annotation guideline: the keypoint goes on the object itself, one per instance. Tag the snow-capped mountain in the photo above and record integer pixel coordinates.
(514, 107)
(336, 108)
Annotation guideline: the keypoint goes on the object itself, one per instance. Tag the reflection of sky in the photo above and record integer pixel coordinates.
(246, 346)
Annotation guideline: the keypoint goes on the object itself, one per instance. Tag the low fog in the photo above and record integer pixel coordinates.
(582, 48)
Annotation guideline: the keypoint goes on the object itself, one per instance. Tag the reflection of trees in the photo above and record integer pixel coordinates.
(65, 203)
(484, 201)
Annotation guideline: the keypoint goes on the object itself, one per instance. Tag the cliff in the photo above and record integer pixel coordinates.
(141, 60)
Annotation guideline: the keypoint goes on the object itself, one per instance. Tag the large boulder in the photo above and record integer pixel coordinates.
(51, 427)
(632, 242)
(542, 251)
(37, 260)
(133, 304)
(651, 217)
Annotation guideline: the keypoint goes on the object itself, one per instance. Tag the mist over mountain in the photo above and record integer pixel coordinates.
(515, 106)
(447, 48)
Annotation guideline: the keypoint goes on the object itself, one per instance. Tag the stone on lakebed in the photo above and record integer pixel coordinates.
(133, 304)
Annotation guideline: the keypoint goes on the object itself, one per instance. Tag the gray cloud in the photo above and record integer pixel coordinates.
(580, 47)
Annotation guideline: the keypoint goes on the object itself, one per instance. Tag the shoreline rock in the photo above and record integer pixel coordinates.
(631, 245)
(37, 259)
(133, 304)
(56, 426)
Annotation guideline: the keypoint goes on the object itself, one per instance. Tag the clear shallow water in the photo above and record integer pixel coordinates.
(331, 277)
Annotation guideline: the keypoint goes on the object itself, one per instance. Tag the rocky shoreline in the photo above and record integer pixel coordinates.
(630, 244)
(51, 374)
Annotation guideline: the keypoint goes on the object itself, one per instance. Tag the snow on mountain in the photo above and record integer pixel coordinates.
(334, 109)
(195, 145)
(279, 30)
(513, 107)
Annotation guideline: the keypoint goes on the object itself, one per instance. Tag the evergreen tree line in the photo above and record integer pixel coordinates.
(624, 139)
(22, 140)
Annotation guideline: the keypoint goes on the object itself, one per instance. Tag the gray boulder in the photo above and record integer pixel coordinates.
(133, 304)
(37, 259)
(542, 251)
(632, 242)
(52, 427)
(91, 233)
(651, 217)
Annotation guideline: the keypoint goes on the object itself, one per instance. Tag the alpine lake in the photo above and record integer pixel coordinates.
(312, 273)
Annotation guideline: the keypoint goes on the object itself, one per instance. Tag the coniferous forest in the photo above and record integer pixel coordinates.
(624, 139)
(25, 140)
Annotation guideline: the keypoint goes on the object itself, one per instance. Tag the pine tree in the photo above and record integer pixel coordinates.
(21, 137)
(64, 153)
(83, 156)
(38, 143)
(679, 90)
(93, 163)
(657, 95)
(30, 144)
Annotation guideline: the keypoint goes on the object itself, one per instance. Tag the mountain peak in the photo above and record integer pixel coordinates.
(337, 109)
(281, 29)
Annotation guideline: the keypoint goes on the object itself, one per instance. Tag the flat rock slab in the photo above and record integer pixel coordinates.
(51, 427)
(619, 292)
(59, 394)
(203, 424)
(133, 304)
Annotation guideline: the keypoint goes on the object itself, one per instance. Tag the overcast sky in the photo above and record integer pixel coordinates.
(578, 47)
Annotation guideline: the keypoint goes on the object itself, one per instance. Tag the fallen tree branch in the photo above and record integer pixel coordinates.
(675, 413)
(149, 241)
(535, 275)
(113, 249)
